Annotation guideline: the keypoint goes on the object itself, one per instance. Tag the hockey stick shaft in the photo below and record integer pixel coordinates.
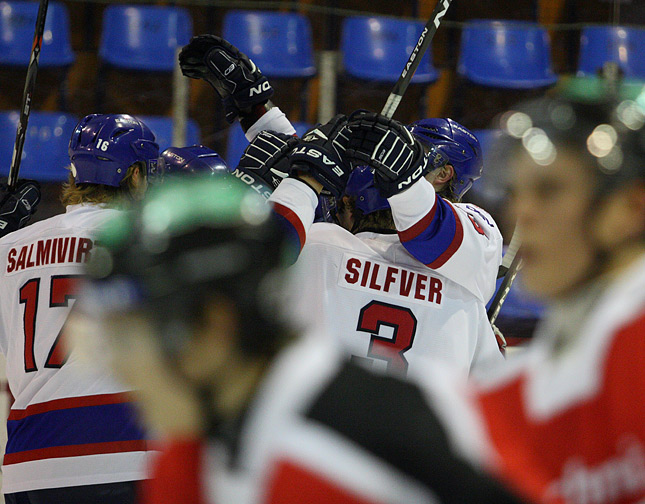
(511, 264)
(511, 252)
(504, 289)
(419, 50)
(30, 84)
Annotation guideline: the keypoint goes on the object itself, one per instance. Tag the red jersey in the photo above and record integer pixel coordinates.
(567, 418)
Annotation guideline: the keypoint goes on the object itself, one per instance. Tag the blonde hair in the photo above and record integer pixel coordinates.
(76, 194)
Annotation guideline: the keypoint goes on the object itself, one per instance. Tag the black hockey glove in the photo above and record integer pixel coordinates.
(266, 156)
(237, 80)
(17, 206)
(321, 154)
(398, 159)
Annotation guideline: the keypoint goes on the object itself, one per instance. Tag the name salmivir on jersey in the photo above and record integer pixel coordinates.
(49, 251)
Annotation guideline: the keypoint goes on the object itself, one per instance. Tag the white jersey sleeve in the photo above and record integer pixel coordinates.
(296, 203)
(459, 240)
(273, 120)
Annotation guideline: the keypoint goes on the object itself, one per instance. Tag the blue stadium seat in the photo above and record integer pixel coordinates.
(17, 23)
(143, 37)
(376, 49)
(623, 45)
(161, 126)
(44, 156)
(279, 43)
(506, 54)
(237, 142)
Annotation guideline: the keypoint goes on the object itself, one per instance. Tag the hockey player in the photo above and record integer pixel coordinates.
(255, 419)
(367, 284)
(72, 433)
(567, 417)
(364, 284)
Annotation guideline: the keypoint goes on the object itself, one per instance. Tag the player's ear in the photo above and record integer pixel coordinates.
(446, 173)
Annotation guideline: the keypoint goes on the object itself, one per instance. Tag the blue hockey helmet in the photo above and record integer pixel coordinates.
(457, 144)
(103, 147)
(361, 186)
(191, 160)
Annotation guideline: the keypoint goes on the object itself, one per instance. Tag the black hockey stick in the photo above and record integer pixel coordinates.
(27, 94)
(415, 58)
(511, 264)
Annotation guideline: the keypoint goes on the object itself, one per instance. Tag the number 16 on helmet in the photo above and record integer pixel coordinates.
(104, 146)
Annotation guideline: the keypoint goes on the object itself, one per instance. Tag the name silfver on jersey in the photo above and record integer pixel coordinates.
(49, 251)
(397, 281)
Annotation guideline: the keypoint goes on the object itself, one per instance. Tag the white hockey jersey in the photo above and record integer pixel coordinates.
(567, 416)
(379, 300)
(69, 425)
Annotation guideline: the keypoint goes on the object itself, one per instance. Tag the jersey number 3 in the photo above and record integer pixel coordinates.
(63, 288)
(376, 314)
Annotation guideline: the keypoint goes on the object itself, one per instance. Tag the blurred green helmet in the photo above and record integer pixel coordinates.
(189, 239)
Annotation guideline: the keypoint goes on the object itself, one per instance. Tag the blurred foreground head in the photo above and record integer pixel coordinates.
(576, 170)
(192, 243)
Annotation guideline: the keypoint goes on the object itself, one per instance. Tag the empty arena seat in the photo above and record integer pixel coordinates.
(237, 142)
(143, 37)
(161, 126)
(377, 48)
(506, 54)
(17, 24)
(620, 44)
(279, 43)
(44, 155)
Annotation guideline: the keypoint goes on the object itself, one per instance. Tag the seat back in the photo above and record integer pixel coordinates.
(237, 142)
(622, 45)
(144, 37)
(279, 43)
(44, 155)
(376, 48)
(506, 54)
(161, 126)
(17, 23)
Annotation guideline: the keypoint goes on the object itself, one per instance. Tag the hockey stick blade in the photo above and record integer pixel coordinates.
(30, 84)
(412, 64)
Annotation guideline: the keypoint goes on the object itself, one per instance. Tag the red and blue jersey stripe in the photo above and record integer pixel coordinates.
(71, 427)
(292, 224)
(436, 237)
